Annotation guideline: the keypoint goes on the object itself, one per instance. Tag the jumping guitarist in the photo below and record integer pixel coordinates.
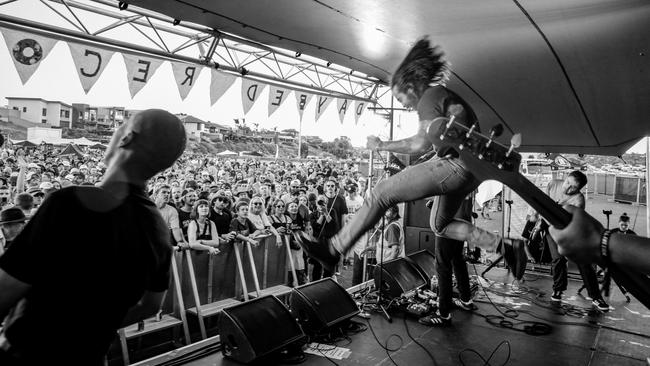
(417, 83)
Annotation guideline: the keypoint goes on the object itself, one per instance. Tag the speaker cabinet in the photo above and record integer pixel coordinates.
(425, 263)
(417, 239)
(416, 214)
(398, 276)
(256, 329)
(321, 305)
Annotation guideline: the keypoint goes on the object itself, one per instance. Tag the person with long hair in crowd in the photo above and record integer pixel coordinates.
(257, 215)
(298, 224)
(202, 232)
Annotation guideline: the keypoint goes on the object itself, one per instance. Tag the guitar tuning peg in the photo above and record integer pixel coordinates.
(451, 122)
(496, 130)
(471, 130)
(515, 142)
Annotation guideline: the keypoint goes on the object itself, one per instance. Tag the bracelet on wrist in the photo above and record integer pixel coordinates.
(604, 246)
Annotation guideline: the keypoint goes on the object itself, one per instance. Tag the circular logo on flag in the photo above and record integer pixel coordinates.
(27, 51)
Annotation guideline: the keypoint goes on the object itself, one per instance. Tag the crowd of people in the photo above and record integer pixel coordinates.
(209, 201)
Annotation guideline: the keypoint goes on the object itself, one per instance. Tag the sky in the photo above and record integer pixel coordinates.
(56, 79)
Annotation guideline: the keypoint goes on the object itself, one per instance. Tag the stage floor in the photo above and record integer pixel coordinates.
(579, 336)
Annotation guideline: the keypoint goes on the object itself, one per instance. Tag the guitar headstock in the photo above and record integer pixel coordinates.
(483, 155)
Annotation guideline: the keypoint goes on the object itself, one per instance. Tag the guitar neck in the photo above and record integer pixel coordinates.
(542, 203)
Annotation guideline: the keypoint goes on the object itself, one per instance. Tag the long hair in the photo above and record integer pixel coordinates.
(423, 65)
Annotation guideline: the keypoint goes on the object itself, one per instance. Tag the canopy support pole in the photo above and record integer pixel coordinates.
(647, 186)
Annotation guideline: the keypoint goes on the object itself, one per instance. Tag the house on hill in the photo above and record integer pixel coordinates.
(52, 113)
(193, 126)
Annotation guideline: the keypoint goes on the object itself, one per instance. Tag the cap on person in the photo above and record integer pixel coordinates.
(45, 186)
(12, 215)
(32, 166)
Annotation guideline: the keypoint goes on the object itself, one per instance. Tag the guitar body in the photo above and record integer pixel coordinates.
(488, 159)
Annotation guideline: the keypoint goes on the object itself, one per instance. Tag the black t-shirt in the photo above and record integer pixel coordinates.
(222, 221)
(434, 103)
(325, 230)
(88, 258)
(339, 209)
(244, 229)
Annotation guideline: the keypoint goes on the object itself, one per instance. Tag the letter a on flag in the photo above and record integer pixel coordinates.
(27, 50)
(250, 91)
(89, 62)
(342, 107)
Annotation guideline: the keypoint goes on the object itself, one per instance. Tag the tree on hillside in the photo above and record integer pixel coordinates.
(290, 131)
(341, 147)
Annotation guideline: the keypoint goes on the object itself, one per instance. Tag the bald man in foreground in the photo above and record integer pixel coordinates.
(92, 259)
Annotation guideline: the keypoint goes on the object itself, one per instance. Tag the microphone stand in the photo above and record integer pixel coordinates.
(379, 305)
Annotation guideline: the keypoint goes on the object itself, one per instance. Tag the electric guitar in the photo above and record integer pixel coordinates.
(488, 159)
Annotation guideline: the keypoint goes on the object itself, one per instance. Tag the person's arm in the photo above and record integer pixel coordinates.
(177, 233)
(580, 242)
(415, 144)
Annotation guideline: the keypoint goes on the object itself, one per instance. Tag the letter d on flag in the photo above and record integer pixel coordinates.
(250, 91)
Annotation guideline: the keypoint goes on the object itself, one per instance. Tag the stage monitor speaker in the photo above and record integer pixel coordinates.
(398, 276)
(425, 263)
(321, 305)
(256, 329)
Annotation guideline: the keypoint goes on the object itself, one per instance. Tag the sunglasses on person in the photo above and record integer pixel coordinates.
(330, 185)
(257, 203)
(279, 206)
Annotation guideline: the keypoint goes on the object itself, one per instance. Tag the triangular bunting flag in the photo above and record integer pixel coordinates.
(302, 99)
(250, 91)
(342, 107)
(277, 96)
(185, 75)
(219, 83)
(321, 105)
(90, 62)
(139, 70)
(359, 107)
(27, 50)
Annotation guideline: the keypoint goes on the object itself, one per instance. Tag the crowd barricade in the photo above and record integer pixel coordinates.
(604, 184)
(265, 267)
(169, 316)
(208, 282)
(630, 189)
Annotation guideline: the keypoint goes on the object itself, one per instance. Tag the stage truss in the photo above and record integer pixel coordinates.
(105, 22)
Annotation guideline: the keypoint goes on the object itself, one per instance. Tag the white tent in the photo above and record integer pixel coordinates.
(227, 153)
(487, 191)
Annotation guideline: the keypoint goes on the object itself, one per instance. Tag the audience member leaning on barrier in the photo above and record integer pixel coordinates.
(242, 226)
(202, 232)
